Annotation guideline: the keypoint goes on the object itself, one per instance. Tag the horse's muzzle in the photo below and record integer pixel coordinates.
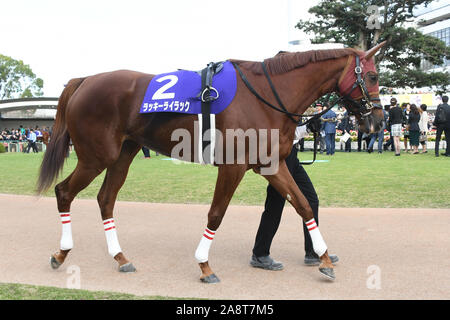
(375, 121)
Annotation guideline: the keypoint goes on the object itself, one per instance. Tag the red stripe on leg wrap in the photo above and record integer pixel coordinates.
(64, 222)
(210, 232)
(110, 228)
(312, 228)
(312, 222)
(207, 237)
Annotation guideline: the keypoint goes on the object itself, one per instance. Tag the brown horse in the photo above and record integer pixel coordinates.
(100, 113)
(45, 136)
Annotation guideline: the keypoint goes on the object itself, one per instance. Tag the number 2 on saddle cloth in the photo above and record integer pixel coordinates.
(182, 92)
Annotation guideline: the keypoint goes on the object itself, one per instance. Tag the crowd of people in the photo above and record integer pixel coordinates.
(26, 135)
(408, 121)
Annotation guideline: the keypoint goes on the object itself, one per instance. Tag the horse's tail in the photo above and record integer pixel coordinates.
(58, 147)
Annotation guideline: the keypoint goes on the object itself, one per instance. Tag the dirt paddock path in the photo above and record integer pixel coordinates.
(384, 253)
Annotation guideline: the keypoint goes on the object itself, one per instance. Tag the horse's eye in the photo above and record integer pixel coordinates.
(372, 77)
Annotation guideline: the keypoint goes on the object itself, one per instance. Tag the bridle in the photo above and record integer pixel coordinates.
(365, 106)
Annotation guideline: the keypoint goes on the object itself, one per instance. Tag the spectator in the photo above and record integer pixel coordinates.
(321, 137)
(390, 142)
(442, 123)
(70, 147)
(406, 110)
(361, 136)
(146, 152)
(22, 130)
(301, 132)
(38, 134)
(414, 129)
(301, 145)
(329, 127)
(423, 126)
(8, 135)
(378, 135)
(31, 142)
(396, 119)
(346, 126)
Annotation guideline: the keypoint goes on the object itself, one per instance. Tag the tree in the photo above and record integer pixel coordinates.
(364, 23)
(17, 80)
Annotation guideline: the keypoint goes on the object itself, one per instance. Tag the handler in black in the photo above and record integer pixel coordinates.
(271, 217)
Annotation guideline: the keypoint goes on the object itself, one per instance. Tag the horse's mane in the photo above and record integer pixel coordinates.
(287, 61)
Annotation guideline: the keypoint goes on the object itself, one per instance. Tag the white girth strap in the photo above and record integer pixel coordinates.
(200, 138)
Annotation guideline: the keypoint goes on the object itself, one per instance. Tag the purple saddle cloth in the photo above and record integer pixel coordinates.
(179, 91)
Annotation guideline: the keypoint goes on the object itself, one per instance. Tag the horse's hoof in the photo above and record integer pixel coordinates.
(212, 278)
(54, 263)
(327, 273)
(127, 267)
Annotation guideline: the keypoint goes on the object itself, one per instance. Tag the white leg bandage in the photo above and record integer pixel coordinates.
(111, 237)
(201, 254)
(66, 237)
(318, 243)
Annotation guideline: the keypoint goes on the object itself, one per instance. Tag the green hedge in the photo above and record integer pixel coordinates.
(2, 148)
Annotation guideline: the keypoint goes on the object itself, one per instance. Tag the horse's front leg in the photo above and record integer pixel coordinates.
(283, 182)
(229, 177)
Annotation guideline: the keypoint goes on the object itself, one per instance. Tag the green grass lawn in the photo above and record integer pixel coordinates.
(14, 291)
(356, 179)
(343, 180)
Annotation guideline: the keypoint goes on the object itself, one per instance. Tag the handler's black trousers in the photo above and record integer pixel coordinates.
(274, 205)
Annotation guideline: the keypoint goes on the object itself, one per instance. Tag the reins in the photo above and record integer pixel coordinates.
(256, 94)
(277, 97)
(283, 108)
(364, 110)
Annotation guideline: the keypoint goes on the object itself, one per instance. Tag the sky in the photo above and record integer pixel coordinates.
(61, 39)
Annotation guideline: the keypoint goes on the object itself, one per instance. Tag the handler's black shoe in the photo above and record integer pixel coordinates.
(314, 260)
(266, 263)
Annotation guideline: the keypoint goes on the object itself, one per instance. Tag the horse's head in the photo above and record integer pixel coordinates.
(358, 86)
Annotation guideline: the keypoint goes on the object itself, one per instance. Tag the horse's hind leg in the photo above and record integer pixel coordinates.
(65, 192)
(283, 182)
(228, 179)
(114, 179)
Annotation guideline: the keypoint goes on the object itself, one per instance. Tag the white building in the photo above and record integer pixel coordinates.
(27, 112)
(435, 21)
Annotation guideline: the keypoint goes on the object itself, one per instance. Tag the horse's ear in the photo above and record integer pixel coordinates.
(371, 52)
